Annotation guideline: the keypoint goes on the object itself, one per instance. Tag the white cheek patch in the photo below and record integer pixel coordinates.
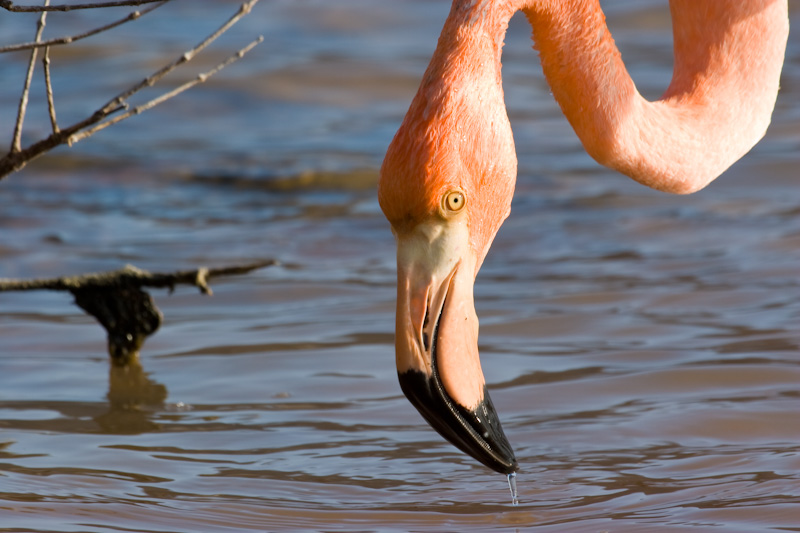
(427, 259)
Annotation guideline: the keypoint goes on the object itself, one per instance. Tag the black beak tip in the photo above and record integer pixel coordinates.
(495, 446)
(477, 432)
(509, 465)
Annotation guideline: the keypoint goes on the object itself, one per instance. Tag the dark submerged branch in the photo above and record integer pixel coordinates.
(130, 276)
(119, 303)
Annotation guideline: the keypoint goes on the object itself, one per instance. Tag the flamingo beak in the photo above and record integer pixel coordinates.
(437, 343)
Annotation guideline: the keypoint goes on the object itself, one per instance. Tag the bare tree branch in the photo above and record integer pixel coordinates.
(71, 39)
(201, 78)
(130, 276)
(244, 9)
(9, 6)
(16, 142)
(51, 107)
(14, 161)
(17, 157)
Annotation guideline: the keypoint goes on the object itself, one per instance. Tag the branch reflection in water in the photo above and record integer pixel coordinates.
(132, 395)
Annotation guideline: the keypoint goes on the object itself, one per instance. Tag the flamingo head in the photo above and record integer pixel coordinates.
(446, 186)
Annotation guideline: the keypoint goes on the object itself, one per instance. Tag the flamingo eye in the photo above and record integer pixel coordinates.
(454, 201)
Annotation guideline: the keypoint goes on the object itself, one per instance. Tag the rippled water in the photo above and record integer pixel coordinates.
(641, 348)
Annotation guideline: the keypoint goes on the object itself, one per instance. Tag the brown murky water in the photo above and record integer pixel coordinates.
(642, 349)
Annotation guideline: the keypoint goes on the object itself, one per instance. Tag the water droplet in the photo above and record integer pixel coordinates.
(512, 485)
(179, 407)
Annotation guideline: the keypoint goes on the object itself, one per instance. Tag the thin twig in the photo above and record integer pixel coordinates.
(16, 143)
(9, 6)
(185, 58)
(51, 107)
(201, 78)
(130, 276)
(14, 161)
(71, 39)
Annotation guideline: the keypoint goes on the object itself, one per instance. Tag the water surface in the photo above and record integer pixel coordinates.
(641, 348)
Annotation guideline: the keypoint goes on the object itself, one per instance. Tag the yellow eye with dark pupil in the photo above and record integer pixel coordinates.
(454, 201)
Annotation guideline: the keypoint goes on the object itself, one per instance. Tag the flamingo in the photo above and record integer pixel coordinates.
(448, 176)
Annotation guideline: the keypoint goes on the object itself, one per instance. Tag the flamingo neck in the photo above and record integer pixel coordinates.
(728, 58)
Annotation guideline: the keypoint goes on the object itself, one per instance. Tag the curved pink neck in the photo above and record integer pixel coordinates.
(728, 58)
